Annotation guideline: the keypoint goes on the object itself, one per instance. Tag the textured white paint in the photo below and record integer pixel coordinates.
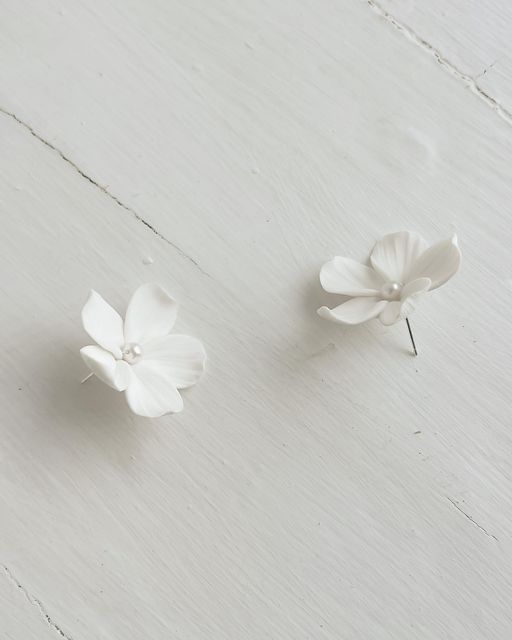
(321, 483)
(22, 615)
(470, 36)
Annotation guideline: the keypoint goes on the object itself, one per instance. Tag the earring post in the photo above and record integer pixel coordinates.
(412, 337)
(87, 378)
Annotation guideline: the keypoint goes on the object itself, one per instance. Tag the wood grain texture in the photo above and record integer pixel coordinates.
(22, 615)
(321, 482)
(469, 39)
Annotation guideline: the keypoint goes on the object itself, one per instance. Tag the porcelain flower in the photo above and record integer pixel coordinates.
(403, 268)
(140, 356)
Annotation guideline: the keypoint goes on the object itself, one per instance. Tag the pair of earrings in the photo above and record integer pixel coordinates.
(141, 357)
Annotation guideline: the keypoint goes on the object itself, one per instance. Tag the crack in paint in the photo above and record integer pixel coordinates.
(35, 602)
(490, 535)
(486, 70)
(105, 190)
(411, 35)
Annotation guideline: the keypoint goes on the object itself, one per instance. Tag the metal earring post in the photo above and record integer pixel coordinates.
(87, 378)
(412, 337)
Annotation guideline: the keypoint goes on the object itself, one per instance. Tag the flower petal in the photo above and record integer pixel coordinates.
(349, 278)
(394, 255)
(391, 313)
(115, 373)
(151, 392)
(439, 262)
(354, 311)
(415, 287)
(182, 357)
(103, 324)
(151, 314)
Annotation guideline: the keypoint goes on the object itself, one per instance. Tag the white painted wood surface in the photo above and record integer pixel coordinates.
(469, 36)
(321, 482)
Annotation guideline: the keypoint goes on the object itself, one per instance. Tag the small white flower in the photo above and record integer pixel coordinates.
(139, 356)
(403, 268)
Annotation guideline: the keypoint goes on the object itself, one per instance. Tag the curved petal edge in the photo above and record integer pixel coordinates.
(354, 311)
(151, 314)
(103, 324)
(349, 278)
(440, 262)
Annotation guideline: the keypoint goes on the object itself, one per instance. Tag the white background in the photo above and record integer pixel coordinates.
(321, 482)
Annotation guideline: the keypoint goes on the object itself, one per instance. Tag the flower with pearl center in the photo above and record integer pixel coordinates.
(403, 268)
(139, 356)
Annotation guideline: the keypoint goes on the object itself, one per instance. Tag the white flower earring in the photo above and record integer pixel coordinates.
(140, 356)
(403, 268)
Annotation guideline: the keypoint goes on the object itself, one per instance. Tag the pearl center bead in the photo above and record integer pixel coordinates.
(131, 351)
(391, 290)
